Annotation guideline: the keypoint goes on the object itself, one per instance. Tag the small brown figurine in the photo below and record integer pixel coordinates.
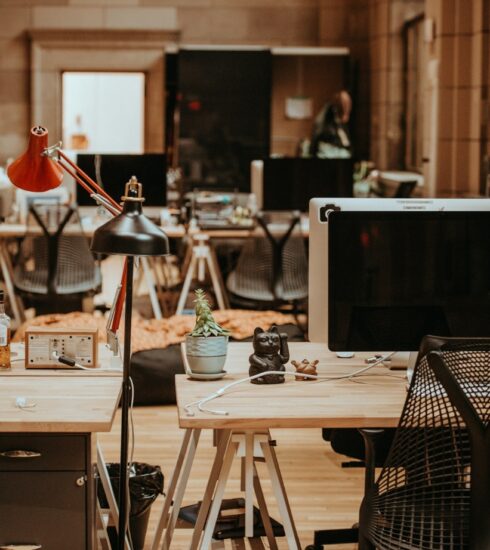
(305, 367)
(271, 352)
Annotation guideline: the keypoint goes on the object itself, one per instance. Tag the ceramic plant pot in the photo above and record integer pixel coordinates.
(206, 355)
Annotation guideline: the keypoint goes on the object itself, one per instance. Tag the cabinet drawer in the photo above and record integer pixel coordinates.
(43, 508)
(42, 452)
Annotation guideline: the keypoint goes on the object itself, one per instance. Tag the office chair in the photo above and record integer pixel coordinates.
(55, 267)
(433, 492)
(272, 269)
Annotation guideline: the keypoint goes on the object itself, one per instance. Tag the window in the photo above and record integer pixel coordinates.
(104, 112)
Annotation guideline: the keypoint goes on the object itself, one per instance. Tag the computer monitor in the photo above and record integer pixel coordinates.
(386, 272)
(116, 170)
(290, 183)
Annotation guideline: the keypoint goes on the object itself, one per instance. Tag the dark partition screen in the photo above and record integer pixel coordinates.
(290, 183)
(224, 115)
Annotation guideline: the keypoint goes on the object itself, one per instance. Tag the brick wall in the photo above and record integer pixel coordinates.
(268, 22)
(460, 57)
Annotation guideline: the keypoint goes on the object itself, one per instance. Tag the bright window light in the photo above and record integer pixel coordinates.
(103, 112)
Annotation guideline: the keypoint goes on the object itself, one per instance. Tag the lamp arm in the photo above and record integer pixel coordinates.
(103, 198)
(55, 153)
(99, 199)
(91, 183)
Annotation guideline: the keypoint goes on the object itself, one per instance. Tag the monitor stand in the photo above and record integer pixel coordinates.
(403, 360)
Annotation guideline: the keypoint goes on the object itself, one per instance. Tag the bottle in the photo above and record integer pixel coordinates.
(4, 335)
(79, 139)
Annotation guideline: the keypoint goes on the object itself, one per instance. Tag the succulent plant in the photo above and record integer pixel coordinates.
(205, 323)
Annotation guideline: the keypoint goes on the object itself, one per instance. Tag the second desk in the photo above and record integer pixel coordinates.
(373, 401)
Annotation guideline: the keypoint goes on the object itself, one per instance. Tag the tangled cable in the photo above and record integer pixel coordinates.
(218, 393)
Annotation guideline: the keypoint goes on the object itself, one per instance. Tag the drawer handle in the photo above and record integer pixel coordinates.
(21, 547)
(20, 454)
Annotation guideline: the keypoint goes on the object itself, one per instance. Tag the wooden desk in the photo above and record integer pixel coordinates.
(375, 401)
(48, 498)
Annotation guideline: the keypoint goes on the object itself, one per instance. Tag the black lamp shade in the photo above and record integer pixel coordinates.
(130, 233)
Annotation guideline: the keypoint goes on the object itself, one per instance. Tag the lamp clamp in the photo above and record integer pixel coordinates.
(52, 151)
(133, 191)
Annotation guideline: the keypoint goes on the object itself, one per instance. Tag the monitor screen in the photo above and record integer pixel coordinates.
(394, 277)
(290, 183)
(116, 170)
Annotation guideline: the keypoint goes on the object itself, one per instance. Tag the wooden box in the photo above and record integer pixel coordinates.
(78, 344)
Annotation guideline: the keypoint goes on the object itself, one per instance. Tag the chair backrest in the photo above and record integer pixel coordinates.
(55, 256)
(434, 489)
(273, 266)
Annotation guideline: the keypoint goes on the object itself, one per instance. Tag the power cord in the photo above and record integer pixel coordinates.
(218, 393)
(72, 363)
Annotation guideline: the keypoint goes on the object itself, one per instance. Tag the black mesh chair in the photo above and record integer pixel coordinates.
(434, 490)
(55, 265)
(272, 268)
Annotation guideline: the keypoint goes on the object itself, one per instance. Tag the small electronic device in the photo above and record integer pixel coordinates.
(43, 345)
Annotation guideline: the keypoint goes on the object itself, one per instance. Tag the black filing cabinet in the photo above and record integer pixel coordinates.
(46, 491)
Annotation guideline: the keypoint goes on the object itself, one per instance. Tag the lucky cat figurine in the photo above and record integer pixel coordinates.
(271, 352)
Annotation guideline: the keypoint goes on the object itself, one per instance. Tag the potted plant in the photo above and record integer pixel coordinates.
(206, 345)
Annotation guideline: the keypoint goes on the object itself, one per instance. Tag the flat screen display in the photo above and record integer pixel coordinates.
(224, 115)
(396, 276)
(116, 170)
(290, 183)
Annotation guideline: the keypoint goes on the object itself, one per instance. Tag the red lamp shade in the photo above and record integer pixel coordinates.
(34, 171)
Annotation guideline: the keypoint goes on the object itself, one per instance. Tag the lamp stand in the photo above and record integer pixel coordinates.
(126, 398)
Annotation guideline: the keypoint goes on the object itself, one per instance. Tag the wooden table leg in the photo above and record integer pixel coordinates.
(150, 283)
(223, 441)
(109, 493)
(264, 513)
(162, 522)
(249, 484)
(216, 279)
(220, 489)
(280, 493)
(179, 493)
(186, 285)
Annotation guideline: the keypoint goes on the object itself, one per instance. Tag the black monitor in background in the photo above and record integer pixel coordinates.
(290, 183)
(395, 277)
(116, 170)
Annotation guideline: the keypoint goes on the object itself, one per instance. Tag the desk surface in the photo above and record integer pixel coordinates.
(18, 230)
(375, 400)
(66, 401)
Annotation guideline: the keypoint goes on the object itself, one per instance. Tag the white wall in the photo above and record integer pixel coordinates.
(111, 108)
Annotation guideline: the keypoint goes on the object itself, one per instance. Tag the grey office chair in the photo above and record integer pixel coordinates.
(272, 269)
(433, 492)
(55, 261)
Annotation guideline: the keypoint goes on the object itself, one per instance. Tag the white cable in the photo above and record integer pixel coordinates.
(130, 463)
(201, 402)
(76, 365)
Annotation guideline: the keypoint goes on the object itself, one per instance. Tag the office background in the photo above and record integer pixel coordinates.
(38, 37)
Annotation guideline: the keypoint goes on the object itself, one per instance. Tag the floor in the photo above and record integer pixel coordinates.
(321, 493)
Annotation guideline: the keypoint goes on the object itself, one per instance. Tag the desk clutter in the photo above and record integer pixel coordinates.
(271, 353)
(160, 333)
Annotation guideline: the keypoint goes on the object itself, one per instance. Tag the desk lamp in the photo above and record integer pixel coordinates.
(130, 233)
(41, 168)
